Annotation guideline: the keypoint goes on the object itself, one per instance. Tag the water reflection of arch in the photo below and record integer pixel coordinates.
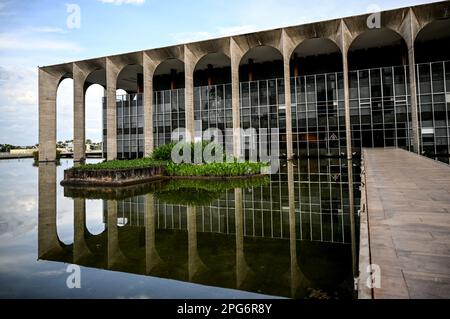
(183, 244)
(324, 266)
(49, 245)
(269, 271)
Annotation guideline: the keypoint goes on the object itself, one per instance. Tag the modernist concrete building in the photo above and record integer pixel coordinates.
(329, 88)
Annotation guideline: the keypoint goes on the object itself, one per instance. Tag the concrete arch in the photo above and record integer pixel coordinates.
(315, 47)
(377, 39)
(394, 20)
(49, 80)
(167, 85)
(434, 37)
(170, 72)
(92, 235)
(241, 45)
(426, 14)
(65, 109)
(94, 99)
(270, 54)
(195, 52)
(130, 78)
(192, 54)
(94, 225)
(293, 37)
(151, 60)
(114, 66)
(208, 64)
(85, 74)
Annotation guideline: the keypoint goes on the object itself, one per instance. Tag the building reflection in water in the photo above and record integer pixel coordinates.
(293, 236)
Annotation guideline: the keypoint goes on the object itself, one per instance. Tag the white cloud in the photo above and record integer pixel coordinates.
(120, 2)
(26, 41)
(46, 29)
(18, 87)
(18, 107)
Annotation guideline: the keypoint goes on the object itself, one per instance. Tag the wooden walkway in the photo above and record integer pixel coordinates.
(408, 210)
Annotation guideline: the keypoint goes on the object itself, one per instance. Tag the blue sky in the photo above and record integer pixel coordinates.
(35, 33)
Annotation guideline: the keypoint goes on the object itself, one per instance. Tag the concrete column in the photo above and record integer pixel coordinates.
(148, 105)
(48, 241)
(80, 248)
(115, 256)
(287, 44)
(79, 107)
(351, 199)
(189, 64)
(111, 109)
(48, 86)
(345, 39)
(295, 273)
(236, 55)
(241, 265)
(152, 258)
(414, 105)
(409, 29)
(195, 264)
(348, 127)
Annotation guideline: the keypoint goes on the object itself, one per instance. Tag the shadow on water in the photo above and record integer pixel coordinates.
(292, 234)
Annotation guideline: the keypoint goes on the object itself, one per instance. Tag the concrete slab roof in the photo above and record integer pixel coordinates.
(356, 25)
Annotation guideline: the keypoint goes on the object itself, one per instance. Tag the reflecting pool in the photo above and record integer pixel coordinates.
(293, 234)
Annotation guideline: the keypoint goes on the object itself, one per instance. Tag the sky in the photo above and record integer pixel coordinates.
(44, 32)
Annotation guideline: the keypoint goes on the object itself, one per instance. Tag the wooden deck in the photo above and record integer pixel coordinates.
(408, 223)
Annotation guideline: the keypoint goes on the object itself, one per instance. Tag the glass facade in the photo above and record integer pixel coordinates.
(434, 107)
(379, 107)
(130, 126)
(318, 115)
(213, 109)
(263, 107)
(168, 115)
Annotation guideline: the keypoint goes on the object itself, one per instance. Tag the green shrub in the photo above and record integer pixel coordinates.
(163, 153)
(215, 185)
(215, 169)
(188, 196)
(126, 164)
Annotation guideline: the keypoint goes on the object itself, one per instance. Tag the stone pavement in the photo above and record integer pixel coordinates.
(408, 205)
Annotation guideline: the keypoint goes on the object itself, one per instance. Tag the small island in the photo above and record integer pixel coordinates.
(160, 166)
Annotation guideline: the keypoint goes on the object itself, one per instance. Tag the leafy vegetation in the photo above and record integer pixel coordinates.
(162, 157)
(195, 192)
(163, 153)
(188, 196)
(118, 165)
(215, 169)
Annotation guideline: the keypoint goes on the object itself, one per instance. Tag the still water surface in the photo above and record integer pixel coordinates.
(291, 235)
